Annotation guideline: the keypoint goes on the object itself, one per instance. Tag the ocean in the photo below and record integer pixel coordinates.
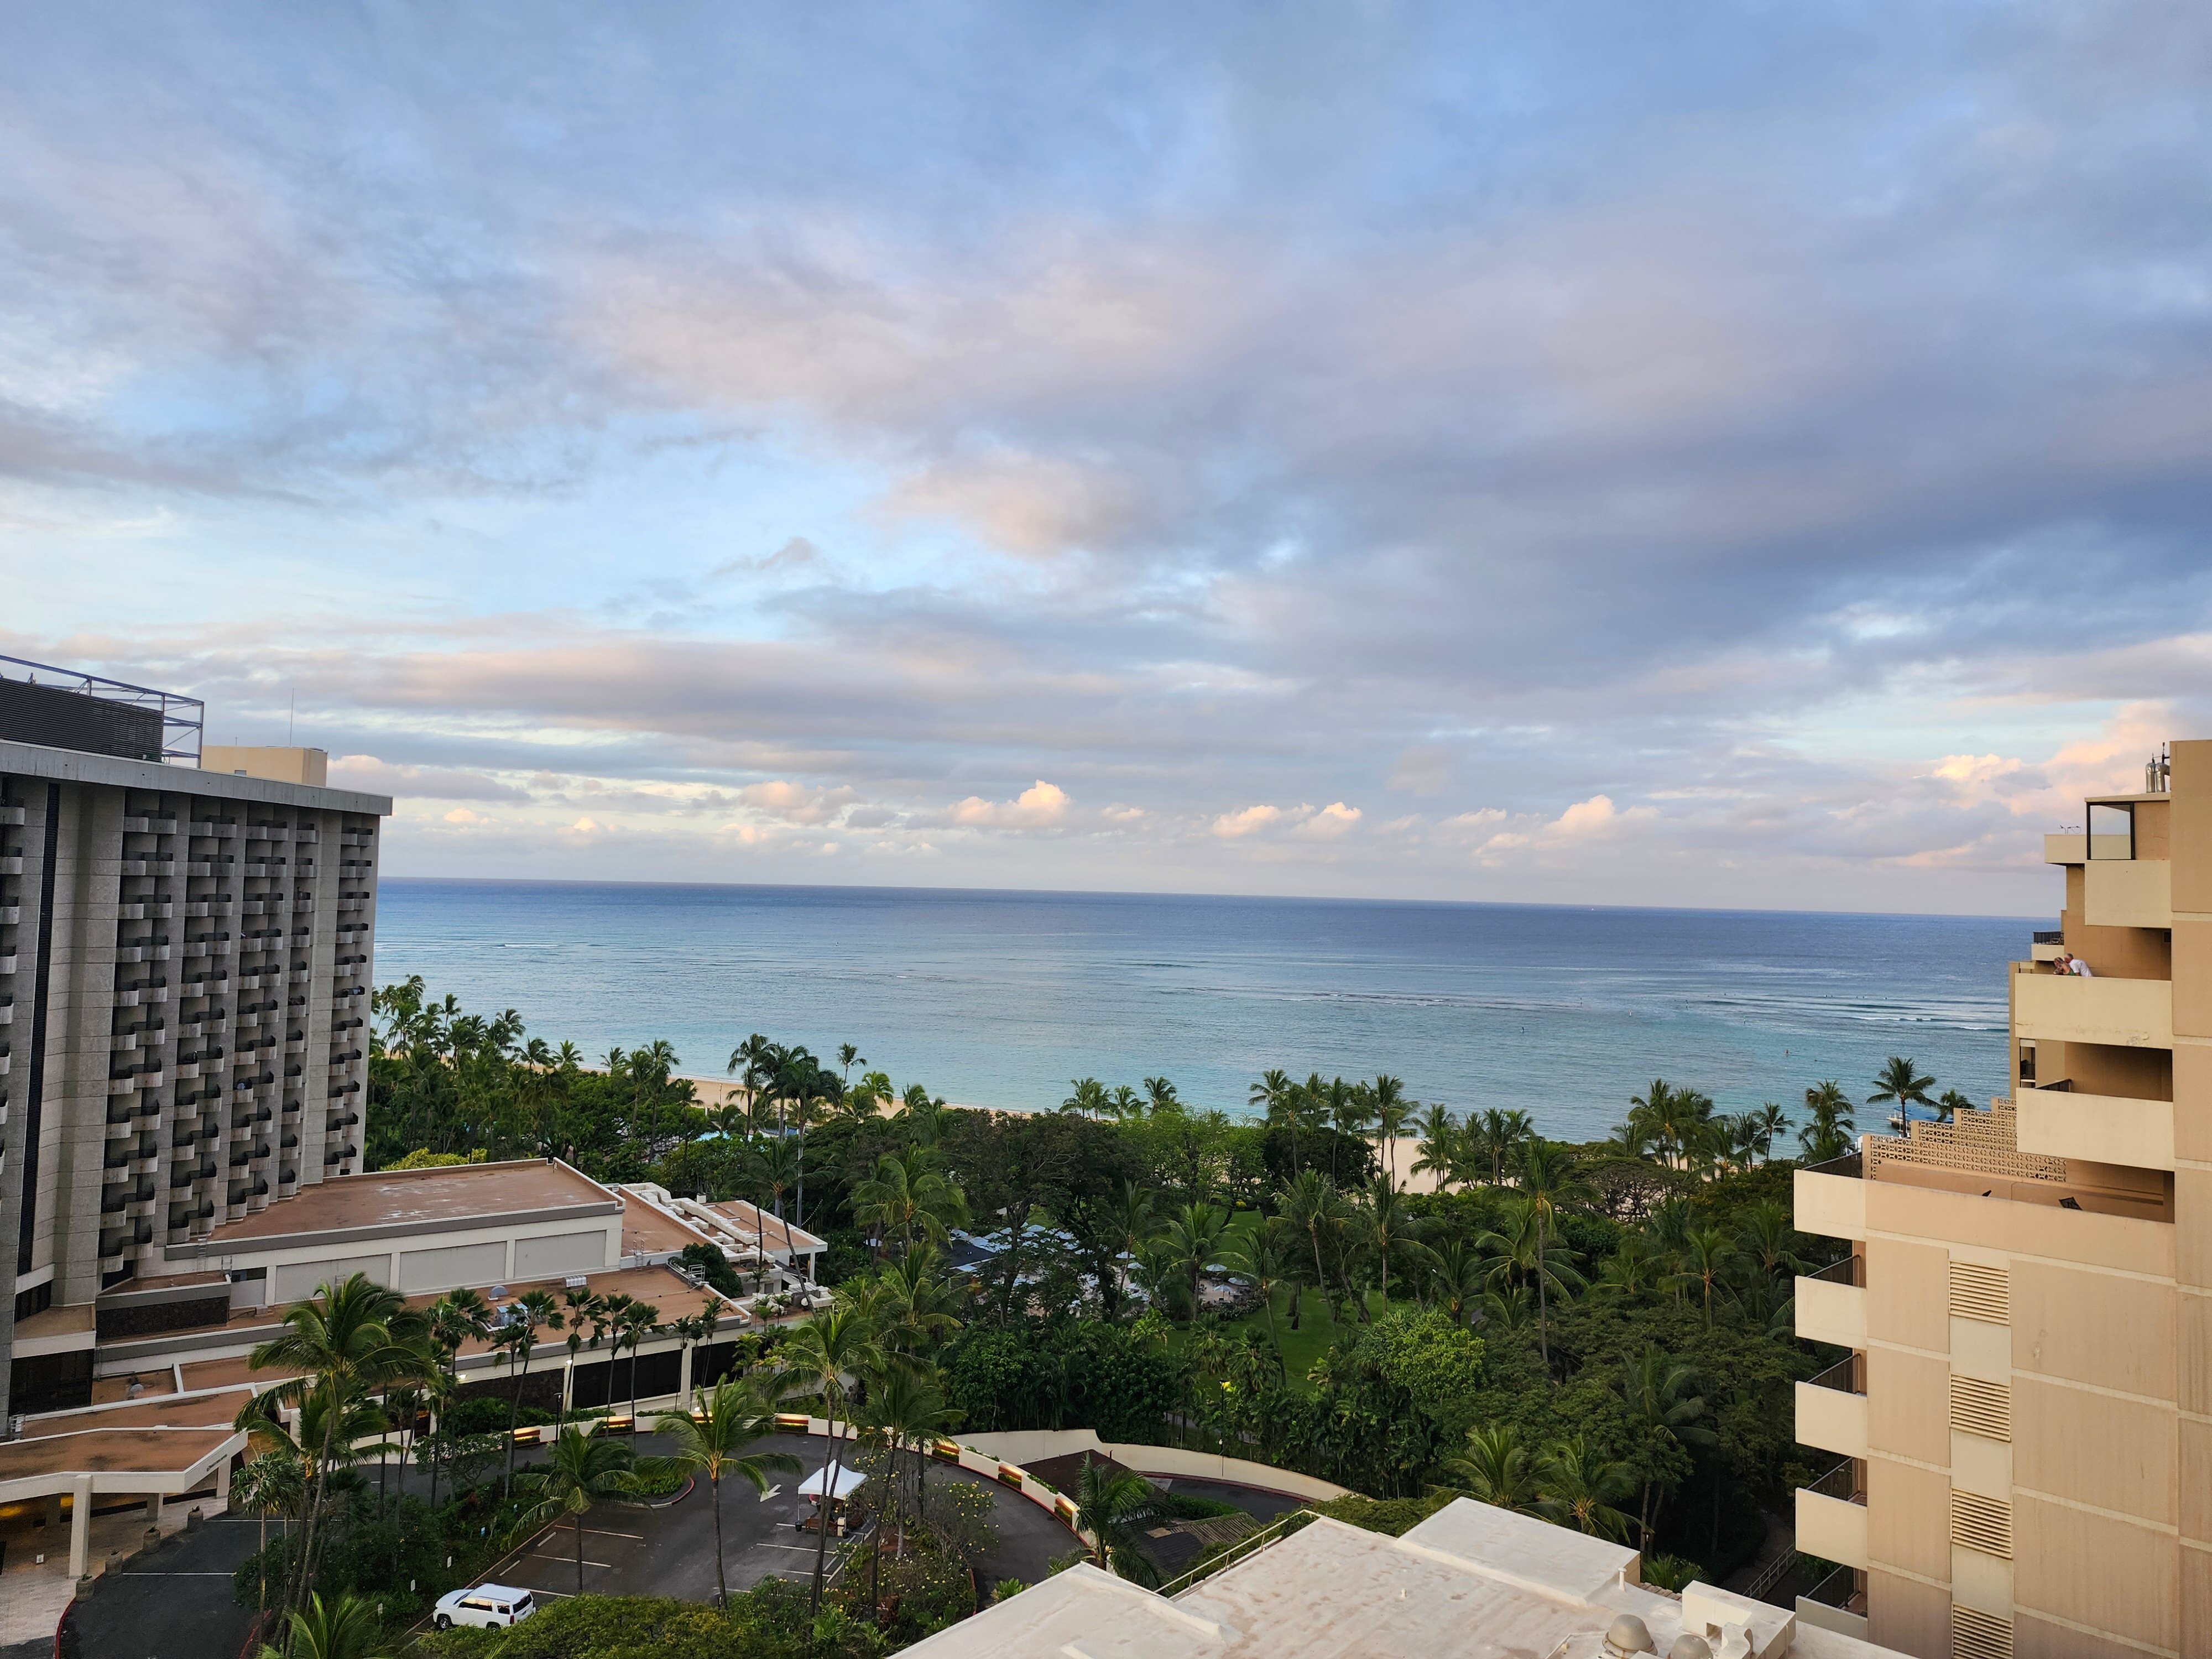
(1000, 999)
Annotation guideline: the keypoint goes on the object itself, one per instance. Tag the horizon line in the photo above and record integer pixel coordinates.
(1231, 898)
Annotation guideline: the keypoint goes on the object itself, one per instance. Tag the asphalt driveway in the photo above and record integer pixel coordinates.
(174, 1603)
(668, 1549)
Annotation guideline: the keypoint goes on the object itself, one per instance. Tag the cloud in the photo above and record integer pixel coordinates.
(1232, 826)
(791, 804)
(1042, 805)
(1722, 449)
(373, 776)
(1329, 823)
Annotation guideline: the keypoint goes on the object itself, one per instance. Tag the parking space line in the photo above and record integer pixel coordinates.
(570, 1561)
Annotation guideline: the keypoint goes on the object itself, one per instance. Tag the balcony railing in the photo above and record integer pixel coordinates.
(1851, 1166)
(1840, 1588)
(1841, 1483)
(2048, 936)
(1845, 1272)
(1841, 1376)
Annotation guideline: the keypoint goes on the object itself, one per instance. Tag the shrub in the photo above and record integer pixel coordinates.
(1670, 1572)
(1394, 1516)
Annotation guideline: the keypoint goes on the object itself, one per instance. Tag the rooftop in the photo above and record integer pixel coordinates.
(773, 1234)
(405, 1202)
(1469, 1583)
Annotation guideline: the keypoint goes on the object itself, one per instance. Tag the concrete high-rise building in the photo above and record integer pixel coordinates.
(2025, 1422)
(185, 970)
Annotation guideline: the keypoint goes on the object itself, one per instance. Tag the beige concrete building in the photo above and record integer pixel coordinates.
(2024, 1427)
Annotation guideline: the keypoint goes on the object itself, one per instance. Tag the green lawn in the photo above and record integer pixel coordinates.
(1301, 1347)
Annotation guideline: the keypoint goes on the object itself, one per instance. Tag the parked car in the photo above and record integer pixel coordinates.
(486, 1607)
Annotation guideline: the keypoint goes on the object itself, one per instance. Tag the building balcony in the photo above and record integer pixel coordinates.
(1832, 1307)
(2075, 848)
(1832, 1516)
(1832, 1411)
(2127, 893)
(1830, 1198)
(2056, 1120)
(2133, 1013)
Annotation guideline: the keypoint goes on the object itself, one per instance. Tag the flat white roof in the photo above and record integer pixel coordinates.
(1331, 1591)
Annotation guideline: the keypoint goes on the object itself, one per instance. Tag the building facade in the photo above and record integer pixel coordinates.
(184, 971)
(2024, 1424)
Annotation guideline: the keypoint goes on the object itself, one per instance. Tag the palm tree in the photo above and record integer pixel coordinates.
(1347, 1109)
(917, 1302)
(1767, 1235)
(1387, 1224)
(1112, 1504)
(1773, 1122)
(908, 1194)
(1950, 1103)
(1827, 1130)
(1128, 1221)
(1656, 1389)
(347, 1628)
(1387, 1100)
(1495, 1468)
(348, 1339)
(1581, 1488)
(584, 1470)
(714, 1438)
(1438, 1147)
(525, 1316)
(1089, 1098)
(1518, 1255)
(1195, 1238)
(271, 1481)
(1500, 1135)
(905, 1411)
(1900, 1083)
(1549, 1180)
(1456, 1271)
(633, 1324)
(819, 1355)
(1633, 1269)
(1707, 1256)
(1309, 1203)
(775, 1168)
(1273, 1094)
(1260, 1261)
(847, 1058)
(1160, 1095)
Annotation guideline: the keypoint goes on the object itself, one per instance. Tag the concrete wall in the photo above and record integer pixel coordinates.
(1034, 1445)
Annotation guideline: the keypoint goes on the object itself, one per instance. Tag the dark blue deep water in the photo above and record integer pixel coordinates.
(996, 998)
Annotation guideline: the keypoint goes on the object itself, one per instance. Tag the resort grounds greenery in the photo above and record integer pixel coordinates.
(1597, 1334)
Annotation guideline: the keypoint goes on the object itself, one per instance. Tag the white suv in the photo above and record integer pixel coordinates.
(487, 1606)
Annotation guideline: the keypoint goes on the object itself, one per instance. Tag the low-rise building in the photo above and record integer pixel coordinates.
(1471, 1582)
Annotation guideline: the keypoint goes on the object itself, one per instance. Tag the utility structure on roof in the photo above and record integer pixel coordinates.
(2024, 1422)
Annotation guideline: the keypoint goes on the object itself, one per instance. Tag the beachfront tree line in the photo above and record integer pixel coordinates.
(1601, 1332)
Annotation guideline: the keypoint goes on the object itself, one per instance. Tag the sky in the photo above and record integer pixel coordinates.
(1750, 455)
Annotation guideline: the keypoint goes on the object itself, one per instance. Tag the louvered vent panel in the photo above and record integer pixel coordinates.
(1981, 1523)
(1979, 1293)
(1978, 1635)
(1983, 1408)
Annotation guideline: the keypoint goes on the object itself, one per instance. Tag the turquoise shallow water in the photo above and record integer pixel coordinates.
(998, 999)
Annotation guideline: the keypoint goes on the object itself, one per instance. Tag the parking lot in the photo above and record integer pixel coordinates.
(668, 1549)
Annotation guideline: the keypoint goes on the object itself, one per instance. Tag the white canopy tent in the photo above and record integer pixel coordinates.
(848, 1482)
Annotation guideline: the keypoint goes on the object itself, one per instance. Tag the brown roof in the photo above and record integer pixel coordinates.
(153, 1451)
(207, 1412)
(55, 1322)
(775, 1235)
(402, 1198)
(228, 1373)
(649, 1230)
